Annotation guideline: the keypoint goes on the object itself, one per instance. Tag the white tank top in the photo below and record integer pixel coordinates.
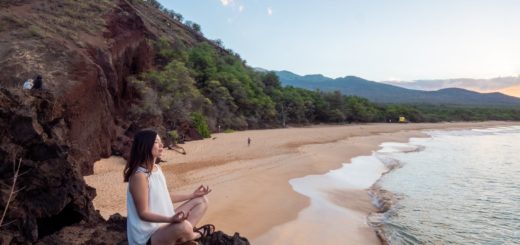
(159, 202)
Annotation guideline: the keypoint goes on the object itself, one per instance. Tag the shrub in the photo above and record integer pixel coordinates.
(33, 32)
(201, 124)
(174, 136)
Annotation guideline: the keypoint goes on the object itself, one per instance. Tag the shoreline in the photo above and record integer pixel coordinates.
(251, 190)
(386, 200)
(382, 199)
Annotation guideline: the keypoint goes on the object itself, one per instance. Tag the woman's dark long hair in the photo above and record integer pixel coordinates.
(141, 153)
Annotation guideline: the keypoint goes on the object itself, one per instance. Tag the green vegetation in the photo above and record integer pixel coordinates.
(176, 16)
(201, 124)
(146, 104)
(193, 26)
(33, 32)
(211, 88)
(429, 113)
(174, 136)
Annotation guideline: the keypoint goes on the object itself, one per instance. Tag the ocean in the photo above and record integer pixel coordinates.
(455, 187)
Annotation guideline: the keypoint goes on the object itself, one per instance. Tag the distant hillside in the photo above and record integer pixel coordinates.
(506, 85)
(385, 93)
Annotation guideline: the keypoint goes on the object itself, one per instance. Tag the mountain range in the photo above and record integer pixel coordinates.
(509, 85)
(386, 93)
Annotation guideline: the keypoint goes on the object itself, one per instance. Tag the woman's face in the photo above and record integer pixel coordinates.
(157, 147)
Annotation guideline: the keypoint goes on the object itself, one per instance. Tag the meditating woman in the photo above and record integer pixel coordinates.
(151, 215)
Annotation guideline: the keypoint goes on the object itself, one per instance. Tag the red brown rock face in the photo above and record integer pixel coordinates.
(99, 96)
(52, 192)
(59, 132)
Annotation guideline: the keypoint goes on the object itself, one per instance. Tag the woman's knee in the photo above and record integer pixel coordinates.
(178, 232)
(186, 227)
(204, 200)
(186, 230)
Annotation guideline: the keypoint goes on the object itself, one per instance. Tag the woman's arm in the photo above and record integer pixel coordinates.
(139, 191)
(181, 197)
(201, 191)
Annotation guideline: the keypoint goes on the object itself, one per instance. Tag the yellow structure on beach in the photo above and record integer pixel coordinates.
(402, 120)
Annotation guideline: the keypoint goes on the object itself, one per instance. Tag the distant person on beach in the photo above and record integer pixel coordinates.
(152, 218)
(38, 82)
(248, 141)
(28, 84)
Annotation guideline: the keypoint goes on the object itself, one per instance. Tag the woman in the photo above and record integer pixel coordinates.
(151, 215)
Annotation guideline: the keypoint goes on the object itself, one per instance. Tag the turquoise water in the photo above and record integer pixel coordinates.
(460, 187)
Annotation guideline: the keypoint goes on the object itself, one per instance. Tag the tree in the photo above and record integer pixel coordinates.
(156, 4)
(201, 124)
(196, 27)
(271, 82)
(219, 43)
(179, 17)
(202, 60)
(178, 95)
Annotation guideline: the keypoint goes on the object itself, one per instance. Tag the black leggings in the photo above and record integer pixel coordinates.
(149, 242)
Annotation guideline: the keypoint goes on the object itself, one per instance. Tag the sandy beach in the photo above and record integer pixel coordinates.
(251, 190)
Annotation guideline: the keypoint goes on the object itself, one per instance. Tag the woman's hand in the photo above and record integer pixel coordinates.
(179, 217)
(201, 191)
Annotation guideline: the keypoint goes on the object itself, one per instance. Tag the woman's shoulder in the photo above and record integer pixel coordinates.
(138, 178)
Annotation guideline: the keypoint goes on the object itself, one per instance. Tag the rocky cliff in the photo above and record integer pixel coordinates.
(50, 192)
(85, 51)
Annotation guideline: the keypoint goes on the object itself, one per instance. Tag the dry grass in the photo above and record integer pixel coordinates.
(68, 18)
(62, 18)
(13, 21)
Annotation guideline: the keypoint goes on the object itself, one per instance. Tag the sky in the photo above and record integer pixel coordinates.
(378, 40)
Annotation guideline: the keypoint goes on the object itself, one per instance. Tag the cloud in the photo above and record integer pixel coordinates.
(269, 11)
(226, 2)
(394, 79)
(235, 5)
